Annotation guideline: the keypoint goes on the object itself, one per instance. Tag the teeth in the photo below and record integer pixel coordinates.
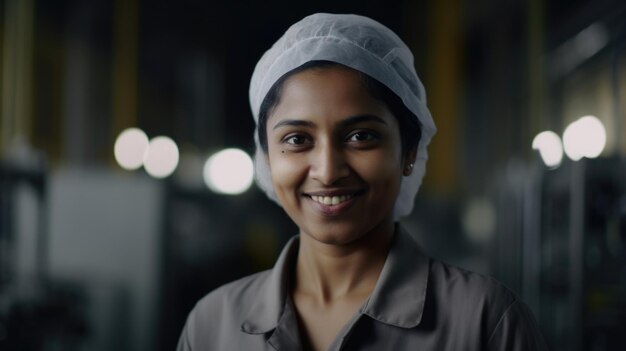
(331, 200)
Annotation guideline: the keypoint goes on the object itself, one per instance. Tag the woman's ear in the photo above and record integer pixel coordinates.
(409, 162)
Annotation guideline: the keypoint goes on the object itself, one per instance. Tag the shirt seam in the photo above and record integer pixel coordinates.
(501, 320)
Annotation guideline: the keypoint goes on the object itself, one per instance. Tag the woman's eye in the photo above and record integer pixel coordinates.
(362, 136)
(296, 140)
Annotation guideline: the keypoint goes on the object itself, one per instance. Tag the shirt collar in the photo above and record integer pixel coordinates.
(400, 293)
(269, 302)
(398, 298)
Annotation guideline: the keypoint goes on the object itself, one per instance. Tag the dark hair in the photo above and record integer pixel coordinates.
(410, 127)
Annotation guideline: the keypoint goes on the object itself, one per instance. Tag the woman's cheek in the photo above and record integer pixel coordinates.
(379, 165)
(287, 173)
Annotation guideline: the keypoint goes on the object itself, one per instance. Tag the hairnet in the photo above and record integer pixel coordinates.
(359, 43)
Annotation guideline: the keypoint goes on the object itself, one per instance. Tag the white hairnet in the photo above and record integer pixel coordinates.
(359, 43)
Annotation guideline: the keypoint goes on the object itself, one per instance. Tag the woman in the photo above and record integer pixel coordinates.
(342, 131)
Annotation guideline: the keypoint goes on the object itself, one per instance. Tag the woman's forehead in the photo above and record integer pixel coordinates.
(312, 79)
(331, 91)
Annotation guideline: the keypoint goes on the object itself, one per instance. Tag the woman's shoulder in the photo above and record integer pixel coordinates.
(455, 282)
(224, 312)
(235, 294)
(215, 321)
(502, 319)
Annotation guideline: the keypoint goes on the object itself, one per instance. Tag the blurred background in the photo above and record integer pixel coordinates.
(125, 180)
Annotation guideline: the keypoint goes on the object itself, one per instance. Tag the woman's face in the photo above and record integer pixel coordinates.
(335, 156)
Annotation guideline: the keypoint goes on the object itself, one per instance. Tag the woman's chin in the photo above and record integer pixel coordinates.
(338, 235)
(333, 239)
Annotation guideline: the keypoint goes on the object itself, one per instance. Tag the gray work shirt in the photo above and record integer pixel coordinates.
(418, 304)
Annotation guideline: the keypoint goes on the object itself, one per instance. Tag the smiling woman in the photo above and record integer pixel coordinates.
(328, 138)
(342, 130)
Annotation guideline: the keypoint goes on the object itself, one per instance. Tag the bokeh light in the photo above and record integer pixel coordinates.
(229, 171)
(572, 141)
(585, 137)
(161, 157)
(550, 148)
(595, 141)
(130, 147)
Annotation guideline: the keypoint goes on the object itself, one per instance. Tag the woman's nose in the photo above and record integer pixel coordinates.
(328, 164)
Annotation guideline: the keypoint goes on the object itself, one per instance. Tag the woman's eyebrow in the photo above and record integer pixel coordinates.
(293, 123)
(345, 123)
(360, 119)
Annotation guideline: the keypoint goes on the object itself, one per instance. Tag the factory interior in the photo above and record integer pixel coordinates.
(126, 181)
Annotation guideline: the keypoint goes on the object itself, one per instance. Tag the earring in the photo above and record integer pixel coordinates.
(408, 169)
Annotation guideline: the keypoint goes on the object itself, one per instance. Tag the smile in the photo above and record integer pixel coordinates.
(331, 200)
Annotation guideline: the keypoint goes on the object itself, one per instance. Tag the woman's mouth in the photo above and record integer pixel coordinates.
(333, 204)
(331, 200)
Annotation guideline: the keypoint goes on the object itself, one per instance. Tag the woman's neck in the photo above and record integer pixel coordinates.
(329, 273)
